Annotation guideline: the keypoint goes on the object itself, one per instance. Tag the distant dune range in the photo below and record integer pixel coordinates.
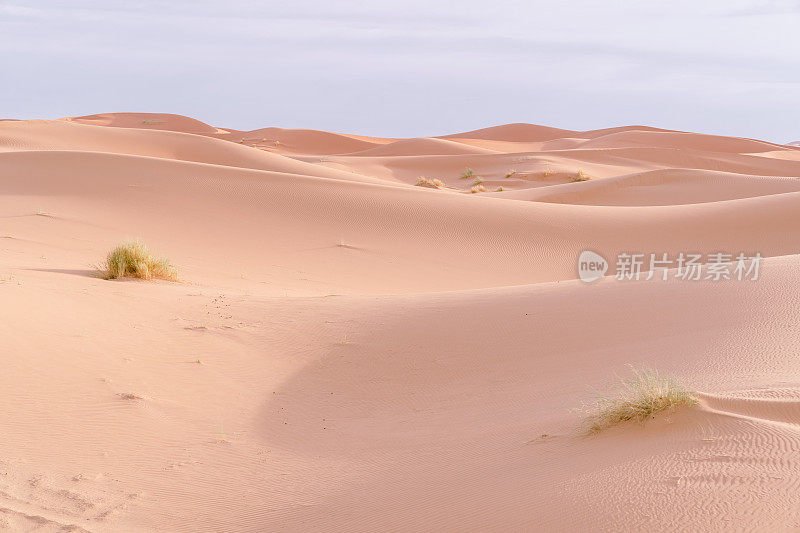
(346, 351)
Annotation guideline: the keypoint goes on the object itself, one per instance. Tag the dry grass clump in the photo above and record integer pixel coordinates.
(133, 259)
(638, 398)
(430, 183)
(129, 396)
(581, 176)
(468, 174)
(511, 173)
(500, 189)
(477, 188)
(478, 181)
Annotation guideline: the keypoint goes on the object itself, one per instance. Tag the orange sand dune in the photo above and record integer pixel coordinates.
(156, 121)
(66, 136)
(345, 351)
(304, 141)
(679, 140)
(277, 139)
(513, 133)
(662, 187)
(422, 146)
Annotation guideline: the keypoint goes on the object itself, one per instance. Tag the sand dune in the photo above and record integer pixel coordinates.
(345, 351)
(156, 121)
(423, 146)
(65, 136)
(678, 140)
(513, 133)
(305, 141)
(662, 187)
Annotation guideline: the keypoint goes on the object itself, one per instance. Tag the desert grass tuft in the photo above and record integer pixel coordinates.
(581, 176)
(133, 259)
(129, 396)
(430, 183)
(637, 398)
(477, 188)
(468, 174)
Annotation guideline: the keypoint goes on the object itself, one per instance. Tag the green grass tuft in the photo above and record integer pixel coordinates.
(468, 174)
(133, 259)
(638, 398)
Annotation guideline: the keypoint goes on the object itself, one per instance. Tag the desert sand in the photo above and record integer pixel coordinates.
(346, 351)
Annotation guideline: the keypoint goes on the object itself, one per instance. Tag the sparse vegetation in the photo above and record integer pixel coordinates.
(580, 176)
(477, 188)
(511, 173)
(129, 396)
(500, 189)
(133, 259)
(637, 398)
(547, 172)
(430, 183)
(468, 174)
(477, 181)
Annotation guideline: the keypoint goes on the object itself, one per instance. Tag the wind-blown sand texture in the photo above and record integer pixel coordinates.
(346, 351)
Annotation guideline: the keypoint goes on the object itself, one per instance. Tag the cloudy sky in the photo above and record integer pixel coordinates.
(410, 67)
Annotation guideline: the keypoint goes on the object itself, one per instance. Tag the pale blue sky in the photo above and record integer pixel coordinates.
(410, 67)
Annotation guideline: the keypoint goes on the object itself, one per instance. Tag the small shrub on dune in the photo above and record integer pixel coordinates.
(129, 396)
(477, 181)
(637, 398)
(477, 188)
(581, 176)
(430, 183)
(133, 259)
(468, 174)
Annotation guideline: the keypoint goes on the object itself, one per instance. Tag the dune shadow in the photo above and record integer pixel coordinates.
(91, 273)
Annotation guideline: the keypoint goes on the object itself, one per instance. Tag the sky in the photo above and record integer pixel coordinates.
(410, 67)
